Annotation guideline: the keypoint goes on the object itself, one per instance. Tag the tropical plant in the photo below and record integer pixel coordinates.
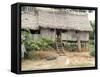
(92, 34)
(35, 45)
(92, 53)
(71, 47)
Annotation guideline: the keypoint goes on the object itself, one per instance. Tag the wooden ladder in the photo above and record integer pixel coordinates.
(60, 48)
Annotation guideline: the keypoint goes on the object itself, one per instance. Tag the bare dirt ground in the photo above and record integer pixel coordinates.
(69, 60)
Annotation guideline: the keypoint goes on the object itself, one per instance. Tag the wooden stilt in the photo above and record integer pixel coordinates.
(78, 43)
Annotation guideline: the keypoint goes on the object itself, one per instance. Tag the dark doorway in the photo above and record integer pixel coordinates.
(58, 33)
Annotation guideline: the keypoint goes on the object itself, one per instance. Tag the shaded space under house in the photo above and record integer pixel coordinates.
(62, 26)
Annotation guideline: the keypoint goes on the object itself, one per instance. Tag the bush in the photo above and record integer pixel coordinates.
(46, 44)
(92, 53)
(31, 45)
(92, 34)
(71, 47)
(92, 42)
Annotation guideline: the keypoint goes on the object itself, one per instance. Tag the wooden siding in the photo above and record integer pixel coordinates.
(72, 36)
(84, 36)
(69, 35)
(36, 37)
(46, 33)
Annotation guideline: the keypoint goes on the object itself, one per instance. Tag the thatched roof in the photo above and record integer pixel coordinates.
(56, 19)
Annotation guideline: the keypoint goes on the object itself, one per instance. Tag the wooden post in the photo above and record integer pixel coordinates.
(78, 42)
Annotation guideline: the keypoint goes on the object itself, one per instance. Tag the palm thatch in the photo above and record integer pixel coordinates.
(55, 19)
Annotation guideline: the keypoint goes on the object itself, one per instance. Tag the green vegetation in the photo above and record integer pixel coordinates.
(92, 38)
(31, 45)
(42, 44)
(92, 48)
(71, 46)
(92, 53)
(92, 34)
(92, 42)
